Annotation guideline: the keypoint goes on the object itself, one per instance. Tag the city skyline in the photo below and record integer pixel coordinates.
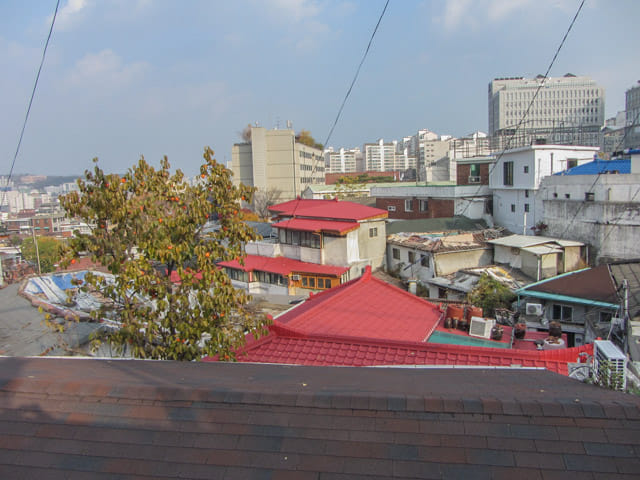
(124, 79)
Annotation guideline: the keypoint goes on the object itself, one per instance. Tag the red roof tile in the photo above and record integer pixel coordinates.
(327, 209)
(288, 345)
(366, 308)
(282, 266)
(310, 225)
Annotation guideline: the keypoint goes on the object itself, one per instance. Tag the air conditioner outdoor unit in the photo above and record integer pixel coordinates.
(609, 365)
(534, 309)
(295, 277)
(391, 208)
(474, 179)
(481, 327)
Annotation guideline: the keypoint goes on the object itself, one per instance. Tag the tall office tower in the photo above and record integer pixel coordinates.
(273, 159)
(566, 110)
(632, 107)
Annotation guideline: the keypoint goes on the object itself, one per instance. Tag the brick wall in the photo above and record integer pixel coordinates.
(464, 171)
(436, 207)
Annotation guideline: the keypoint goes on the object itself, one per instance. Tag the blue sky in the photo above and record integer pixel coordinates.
(125, 78)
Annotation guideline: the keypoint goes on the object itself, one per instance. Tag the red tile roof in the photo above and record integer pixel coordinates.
(286, 345)
(310, 225)
(327, 209)
(365, 308)
(283, 266)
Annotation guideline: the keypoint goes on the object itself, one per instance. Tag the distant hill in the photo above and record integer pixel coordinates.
(40, 181)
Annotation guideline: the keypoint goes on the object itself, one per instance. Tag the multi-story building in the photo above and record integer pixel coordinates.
(515, 179)
(274, 160)
(319, 244)
(566, 110)
(632, 107)
(344, 160)
(387, 157)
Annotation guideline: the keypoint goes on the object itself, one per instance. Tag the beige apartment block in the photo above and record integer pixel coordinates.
(273, 160)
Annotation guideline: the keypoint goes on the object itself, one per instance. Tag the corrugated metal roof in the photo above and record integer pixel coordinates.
(310, 225)
(600, 166)
(521, 241)
(282, 265)
(327, 209)
(545, 249)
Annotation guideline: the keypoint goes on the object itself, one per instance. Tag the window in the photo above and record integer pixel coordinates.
(321, 283)
(526, 169)
(555, 195)
(513, 207)
(408, 205)
(562, 313)
(508, 173)
(424, 260)
(395, 253)
(589, 196)
(526, 194)
(412, 257)
(572, 163)
(526, 207)
(567, 195)
(373, 232)
(424, 205)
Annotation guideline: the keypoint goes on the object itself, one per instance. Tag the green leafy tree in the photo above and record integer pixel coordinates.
(149, 226)
(348, 186)
(490, 294)
(48, 250)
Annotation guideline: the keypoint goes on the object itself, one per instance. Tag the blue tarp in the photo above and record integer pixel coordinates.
(600, 166)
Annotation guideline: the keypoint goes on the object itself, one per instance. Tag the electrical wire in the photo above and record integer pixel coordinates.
(535, 95)
(355, 77)
(33, 93)
(344, 101)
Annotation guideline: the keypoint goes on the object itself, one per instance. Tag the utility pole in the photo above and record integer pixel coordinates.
(35, 243)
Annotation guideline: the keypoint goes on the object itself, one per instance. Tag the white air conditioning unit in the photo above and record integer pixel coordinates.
(391, 208)
(534, 309)
(609, 365)
(474, 179)
(481, 327)
(295, 277)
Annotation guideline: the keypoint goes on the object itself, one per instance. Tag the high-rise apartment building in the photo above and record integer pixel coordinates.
(632, 107)
(344, 160)
(385, 157)
(274, 160)
(566, 110)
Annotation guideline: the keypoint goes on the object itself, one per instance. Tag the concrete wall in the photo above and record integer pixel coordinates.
(372, 248)
(451, 262)
(610, 229)
(507, 255)
(335, 251)
(422, 273)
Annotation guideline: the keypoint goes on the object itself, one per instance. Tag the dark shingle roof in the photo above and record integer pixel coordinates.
(593, 284)
(70, 418)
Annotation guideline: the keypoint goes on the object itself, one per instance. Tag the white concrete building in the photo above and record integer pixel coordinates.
(515, 179)
(567, 101)
(605, 214)
(387, 157)
(344, 160)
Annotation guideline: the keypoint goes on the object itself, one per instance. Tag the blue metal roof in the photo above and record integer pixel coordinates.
(619, 165)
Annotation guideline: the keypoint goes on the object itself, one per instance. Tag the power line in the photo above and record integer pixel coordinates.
(355, 77)
(535, 95)
(344, 101)
(33, 92)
